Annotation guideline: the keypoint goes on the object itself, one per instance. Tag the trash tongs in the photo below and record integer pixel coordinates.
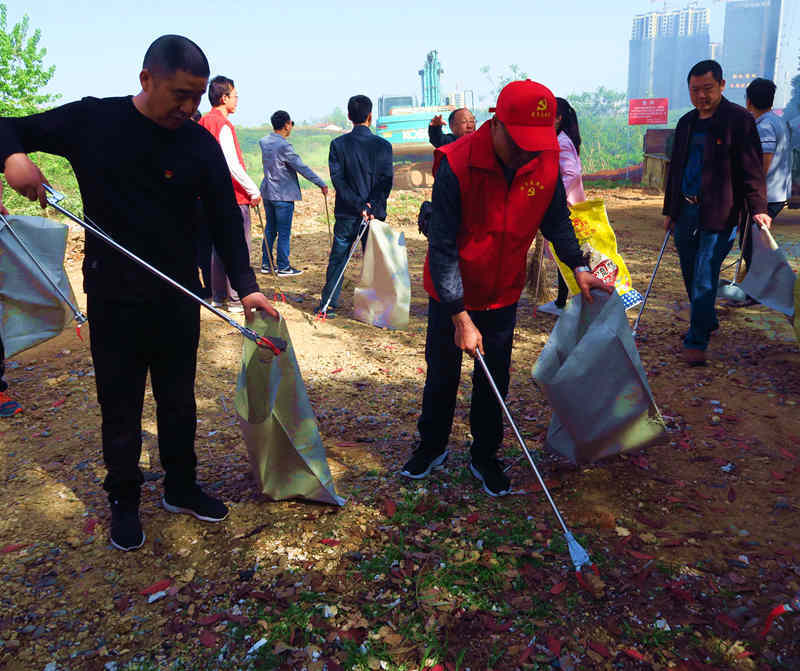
(276, 345)
(578, 555)
(80, 318)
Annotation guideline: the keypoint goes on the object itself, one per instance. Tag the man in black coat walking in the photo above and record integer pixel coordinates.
(361, 170)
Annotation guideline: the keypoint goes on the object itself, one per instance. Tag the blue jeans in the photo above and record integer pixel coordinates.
(279, 225)
(701, 254)
(345, 231)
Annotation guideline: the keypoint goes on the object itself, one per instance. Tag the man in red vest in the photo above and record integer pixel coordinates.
(223, 98)
(494, 189)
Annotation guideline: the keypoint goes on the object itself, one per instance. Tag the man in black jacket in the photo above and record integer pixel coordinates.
(361, 170)
(715, 177)
(461, 122)
(141, 165)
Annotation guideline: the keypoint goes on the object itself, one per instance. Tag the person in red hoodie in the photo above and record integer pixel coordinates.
(224, 99)
(494, 189)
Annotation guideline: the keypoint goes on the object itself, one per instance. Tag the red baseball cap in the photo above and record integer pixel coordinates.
(528, 111)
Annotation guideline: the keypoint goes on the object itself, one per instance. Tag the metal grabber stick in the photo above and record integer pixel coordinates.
(650, 286)
(80, 318)
(579, 556)
(276, 345)
(328, 219)
(277, 295)
(323, 313)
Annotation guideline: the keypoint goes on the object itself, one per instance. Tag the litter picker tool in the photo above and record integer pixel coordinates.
(277, 295)
(579, 556)
(80, 318)
(650, 286)
(323, 313)
(328, 219)
(276, 345)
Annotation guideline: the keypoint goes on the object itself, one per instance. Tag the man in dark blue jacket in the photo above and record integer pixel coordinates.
(360, 164)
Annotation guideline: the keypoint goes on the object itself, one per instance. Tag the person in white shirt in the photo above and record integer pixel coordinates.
(224, 99)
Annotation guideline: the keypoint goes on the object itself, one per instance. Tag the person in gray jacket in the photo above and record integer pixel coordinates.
(280, 189)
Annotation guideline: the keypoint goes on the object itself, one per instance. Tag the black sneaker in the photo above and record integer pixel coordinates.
(289, 272)
(196, 502)
(490, 473)
(126, 528)
(330, 314)
(422, 462)
(265, 270)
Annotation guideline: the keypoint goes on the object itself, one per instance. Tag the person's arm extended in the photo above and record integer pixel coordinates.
(236, 169)
(384, 174)
(443, 257)
(443, 239)
(556, 226)
(436, 135)
(53, 132)
(294, 160)
(343, 191)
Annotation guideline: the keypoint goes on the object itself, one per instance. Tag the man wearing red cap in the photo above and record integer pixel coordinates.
(493, 191)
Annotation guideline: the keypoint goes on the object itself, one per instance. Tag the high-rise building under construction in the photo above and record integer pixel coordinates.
(663, 47)
(761, 39)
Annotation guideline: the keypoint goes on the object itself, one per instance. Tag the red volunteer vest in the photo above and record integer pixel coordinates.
(498, 222)
(214, 122)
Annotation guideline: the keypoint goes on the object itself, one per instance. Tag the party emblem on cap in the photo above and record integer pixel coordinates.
(526, 109)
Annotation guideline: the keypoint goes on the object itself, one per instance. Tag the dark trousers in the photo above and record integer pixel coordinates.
(701, 253)
(128, 339)
(345, 231)
(773, 210)
(444, 373)
(221, 288)
(279, 225)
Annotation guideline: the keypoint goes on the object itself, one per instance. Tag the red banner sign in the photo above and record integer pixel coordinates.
(647, 111)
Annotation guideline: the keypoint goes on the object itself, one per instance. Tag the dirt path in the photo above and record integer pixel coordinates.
(696, 539)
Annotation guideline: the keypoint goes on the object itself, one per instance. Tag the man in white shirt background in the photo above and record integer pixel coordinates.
(776, 146)
(224, 98)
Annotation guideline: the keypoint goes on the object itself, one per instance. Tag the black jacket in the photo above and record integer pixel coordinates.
(361, 171)
(140, 183)
(733, 172)
(438, 137)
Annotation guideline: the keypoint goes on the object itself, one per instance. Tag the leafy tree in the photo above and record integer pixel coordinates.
(497, 82)
(338, 117)
(22, 70)
(601, 102)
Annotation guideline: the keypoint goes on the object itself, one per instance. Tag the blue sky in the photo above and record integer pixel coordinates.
(310, 57)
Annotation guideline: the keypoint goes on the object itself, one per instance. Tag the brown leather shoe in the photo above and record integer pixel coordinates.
(694, 357)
